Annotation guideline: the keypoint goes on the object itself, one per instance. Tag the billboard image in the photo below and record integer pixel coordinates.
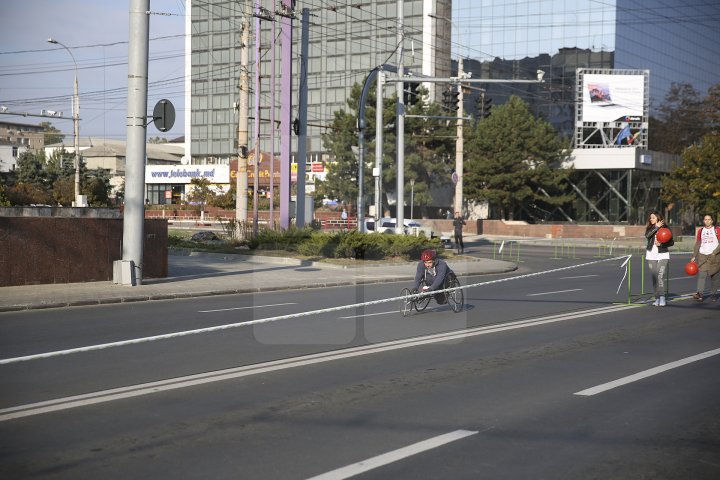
(611, 98)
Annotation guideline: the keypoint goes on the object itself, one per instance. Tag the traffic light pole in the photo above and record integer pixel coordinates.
(458, 81)
(459, 144)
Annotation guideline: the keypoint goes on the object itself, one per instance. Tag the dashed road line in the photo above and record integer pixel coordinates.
(551, 293)
(394, 456)
(646, 373)
(245, 308)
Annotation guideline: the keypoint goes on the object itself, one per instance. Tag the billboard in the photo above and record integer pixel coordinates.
(612, 98)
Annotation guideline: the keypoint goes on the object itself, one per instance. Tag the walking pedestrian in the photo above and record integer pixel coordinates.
(344, 218)
(657, 256)
(705, 254)
(458, 223)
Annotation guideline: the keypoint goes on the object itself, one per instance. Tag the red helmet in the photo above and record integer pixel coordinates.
(428, 255)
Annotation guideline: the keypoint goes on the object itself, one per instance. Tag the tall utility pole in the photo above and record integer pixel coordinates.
(400, 124)
(286, 14)
(302, 120)
(134, 214)
(241, 199)
(459, 144)
(258, 150)
(76, 124)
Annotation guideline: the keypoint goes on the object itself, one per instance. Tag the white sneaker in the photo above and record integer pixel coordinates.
(661, 303)
(656, 302)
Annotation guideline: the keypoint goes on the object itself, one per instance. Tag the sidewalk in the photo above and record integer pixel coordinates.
(203, 274)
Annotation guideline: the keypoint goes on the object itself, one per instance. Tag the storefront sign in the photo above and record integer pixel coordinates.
(185, 173)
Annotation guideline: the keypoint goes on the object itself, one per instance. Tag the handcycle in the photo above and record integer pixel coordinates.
(420, 300)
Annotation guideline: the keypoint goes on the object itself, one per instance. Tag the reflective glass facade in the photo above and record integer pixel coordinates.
(677, 42)
(346, 41)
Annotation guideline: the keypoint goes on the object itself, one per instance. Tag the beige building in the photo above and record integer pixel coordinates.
(16, 138)
(110, 155)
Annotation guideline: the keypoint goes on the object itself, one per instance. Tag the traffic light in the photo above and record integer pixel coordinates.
(411, 96)
(451, 100)
(446, 99)
(486, 107)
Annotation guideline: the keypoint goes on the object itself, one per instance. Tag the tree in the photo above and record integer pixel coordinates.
(696, 182)
(513, 161)
(711, 109)
(429, 155)
(31, 168)
(342, 178)
(680, 122)
(428, 147)
(98, 187)
(52, 134)
(200, 193)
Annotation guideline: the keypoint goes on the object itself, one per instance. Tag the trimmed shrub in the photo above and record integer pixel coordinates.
(281, 239)
(357, 245)
(319, 245)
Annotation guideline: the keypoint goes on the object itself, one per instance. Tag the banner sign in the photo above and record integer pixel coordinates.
(185, 173)
(611, 98)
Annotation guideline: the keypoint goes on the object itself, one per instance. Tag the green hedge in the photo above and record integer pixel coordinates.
(312, 243)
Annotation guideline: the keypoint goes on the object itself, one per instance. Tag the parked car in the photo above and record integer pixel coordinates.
(388, 225)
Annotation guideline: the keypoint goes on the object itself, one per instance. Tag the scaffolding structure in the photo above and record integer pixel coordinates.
(617, 179)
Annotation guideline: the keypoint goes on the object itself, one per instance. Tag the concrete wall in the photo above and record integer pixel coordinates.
(47, 249)
(566, 230)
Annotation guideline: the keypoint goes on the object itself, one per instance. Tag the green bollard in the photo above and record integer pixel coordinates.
(642, 276)
(629, 272)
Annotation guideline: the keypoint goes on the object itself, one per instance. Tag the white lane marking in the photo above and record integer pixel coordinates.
(275, 365)
(245, 308)
(682, 278)
(393, 456)
(579, 276)
(647, 373)
(247, 323)
(550, 293)
(368, 315)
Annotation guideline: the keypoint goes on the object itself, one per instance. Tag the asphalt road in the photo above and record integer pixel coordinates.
(514, 386)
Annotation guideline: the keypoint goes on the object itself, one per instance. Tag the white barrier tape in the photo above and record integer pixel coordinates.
(624, 275)
(218, 328)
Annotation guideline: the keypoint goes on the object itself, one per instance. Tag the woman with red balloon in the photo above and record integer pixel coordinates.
(705, 255)
(659, 238)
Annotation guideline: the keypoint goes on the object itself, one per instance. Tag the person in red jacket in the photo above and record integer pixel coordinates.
(707, 248)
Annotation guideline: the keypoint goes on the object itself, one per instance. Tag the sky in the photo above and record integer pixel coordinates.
(36, 75)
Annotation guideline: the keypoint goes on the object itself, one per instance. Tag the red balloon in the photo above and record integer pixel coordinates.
(663, 235)
(691, 268)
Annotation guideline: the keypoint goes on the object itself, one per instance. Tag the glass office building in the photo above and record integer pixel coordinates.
(670, 40)
(675, 41)
(346, 41)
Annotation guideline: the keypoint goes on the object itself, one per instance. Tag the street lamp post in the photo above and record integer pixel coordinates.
(412, 196)
(76, 123)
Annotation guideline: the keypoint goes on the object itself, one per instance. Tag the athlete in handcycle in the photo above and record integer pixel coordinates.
(432, 274)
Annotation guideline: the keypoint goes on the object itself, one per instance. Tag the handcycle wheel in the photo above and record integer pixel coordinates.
(422, 302)
(455, 298)
(406, 302)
